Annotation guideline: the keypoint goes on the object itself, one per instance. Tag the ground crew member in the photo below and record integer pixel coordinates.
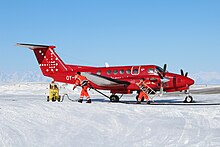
(84, 83)
(53, 85)
(142, 94)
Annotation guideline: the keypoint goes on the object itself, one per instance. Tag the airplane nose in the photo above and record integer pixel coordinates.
(190, 81)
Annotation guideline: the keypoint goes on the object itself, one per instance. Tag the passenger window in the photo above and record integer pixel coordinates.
(115, 72)
(122, 71)
(135, 71)
(109, 72)
(128, 71)
(98, 72)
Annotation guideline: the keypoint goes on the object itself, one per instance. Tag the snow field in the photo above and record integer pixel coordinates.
(26, 119)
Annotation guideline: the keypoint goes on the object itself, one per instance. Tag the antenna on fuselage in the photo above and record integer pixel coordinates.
(106, 64)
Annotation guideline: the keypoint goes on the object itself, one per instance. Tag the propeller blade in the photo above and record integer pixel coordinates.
(182, 73)
(186, 74)
(160, 75)
(164, 69)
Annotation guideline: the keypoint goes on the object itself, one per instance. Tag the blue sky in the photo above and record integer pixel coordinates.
(182, 33)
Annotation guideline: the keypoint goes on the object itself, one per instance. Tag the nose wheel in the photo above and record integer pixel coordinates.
(188, 99)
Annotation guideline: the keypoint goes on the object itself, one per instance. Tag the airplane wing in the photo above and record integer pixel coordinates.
(206, 90)
(103, 81)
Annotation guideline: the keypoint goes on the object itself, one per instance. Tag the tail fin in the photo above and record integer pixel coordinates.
(49, 62)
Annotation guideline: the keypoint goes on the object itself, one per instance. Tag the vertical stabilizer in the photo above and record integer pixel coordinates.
(49, 62)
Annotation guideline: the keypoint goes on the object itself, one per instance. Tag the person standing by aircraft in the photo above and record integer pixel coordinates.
(84, 83)
(143, 93)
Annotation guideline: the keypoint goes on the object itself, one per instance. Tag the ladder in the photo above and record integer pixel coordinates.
(148, 91)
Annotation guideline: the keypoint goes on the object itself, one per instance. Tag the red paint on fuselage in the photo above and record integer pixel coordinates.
(131, 74)
(52, 66)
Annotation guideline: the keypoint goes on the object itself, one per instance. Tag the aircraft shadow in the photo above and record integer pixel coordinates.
(159, 102)
(173, 102)
(99, 100)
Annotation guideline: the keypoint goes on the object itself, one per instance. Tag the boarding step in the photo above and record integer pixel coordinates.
(148, 90)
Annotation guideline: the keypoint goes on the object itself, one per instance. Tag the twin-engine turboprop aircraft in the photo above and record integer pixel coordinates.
(117, 79)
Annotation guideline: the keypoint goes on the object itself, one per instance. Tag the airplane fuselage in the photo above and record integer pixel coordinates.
(131, 74)
(117, 79)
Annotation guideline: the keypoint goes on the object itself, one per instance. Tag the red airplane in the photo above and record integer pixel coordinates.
(117, 79)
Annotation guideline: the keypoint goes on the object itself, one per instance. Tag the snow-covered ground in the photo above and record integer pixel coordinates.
(26, 119)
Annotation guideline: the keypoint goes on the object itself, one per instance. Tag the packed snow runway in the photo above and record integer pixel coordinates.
(26, 119)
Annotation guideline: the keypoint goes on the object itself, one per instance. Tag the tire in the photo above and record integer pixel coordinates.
(48, 99)
(59, 99)
(114, 98)
(53, 99)
(188, 99)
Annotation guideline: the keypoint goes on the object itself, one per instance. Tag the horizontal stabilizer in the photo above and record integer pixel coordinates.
(34, 46)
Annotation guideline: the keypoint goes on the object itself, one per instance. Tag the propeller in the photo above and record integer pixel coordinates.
(182, 73)
(163, 73)
(160, 75)
(164, 79)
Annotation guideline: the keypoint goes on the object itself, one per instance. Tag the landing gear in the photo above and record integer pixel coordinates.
(188, 99)
(114, 98)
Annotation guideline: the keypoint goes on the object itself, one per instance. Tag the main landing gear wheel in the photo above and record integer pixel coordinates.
(114, 98)
(188, 99)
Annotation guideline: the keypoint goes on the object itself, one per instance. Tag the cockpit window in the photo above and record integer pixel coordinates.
(159, 69)
(150, 70)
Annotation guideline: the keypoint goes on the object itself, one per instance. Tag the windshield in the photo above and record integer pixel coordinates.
(159, 69)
